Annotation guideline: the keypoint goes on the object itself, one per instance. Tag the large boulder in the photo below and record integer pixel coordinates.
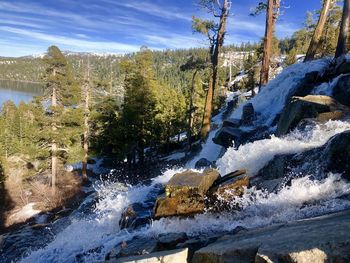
(317, 240)
(185, 193)
(204, 163)
(221, 197)
(337, 154)
(310, 106)
(228, 136)
(341, 91)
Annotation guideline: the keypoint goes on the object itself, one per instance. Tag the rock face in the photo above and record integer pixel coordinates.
(248, 114)
(172, 256)
(317, 240)
(204, 163)
(220, 197)
(228, 135)
(311, 106)
(337, 154)
(185, 193)
(341, 91)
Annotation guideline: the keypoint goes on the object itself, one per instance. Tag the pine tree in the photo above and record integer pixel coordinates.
(291, 57)
(65, 117)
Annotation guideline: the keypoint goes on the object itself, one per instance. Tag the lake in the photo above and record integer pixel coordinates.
(18, 91)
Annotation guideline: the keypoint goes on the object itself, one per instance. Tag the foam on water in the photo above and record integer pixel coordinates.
(254, 156)
(303, 198)
(99, 232)
(101, 228)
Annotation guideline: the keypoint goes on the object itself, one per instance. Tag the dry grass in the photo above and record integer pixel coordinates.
(36, 189)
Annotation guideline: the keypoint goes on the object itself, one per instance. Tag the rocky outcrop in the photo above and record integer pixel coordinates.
(172, 256)
(228, 136)
(341, 91)
(220, 197)
(336, 154)
(185, 193)
(204, 163)
(317, 240)
(248, 114)
(312, 106)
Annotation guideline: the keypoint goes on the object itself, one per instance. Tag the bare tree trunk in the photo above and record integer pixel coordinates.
(208, 107)
(311, 52)
(344, 30)
(54, 160)
(215, 51)
(86, 124)
(265, 67)
(190, 113)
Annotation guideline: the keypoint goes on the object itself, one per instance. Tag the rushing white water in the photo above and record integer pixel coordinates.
(253, 156)
(303, 198)
(96, 234)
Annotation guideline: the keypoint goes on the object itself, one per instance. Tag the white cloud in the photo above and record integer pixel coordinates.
(73, 43)
(153, 9)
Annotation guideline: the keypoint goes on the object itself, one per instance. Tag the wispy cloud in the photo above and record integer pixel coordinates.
(73, 43)
(153, 9)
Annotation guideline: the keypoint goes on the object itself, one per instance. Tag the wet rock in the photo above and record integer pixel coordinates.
(234, 123)
(229, 136)
(204, 163)
(184, 193)
(228, 177)
(343, 67)
(189, 183)
(248, 114)
(341, 91)
(136, 215)
(170, 240)
(337, 154)
(322, 239)
(308, 107)
(276, 168)
(221, 196)
(135, 246)
(179, 206)
(231, 105)
(171, 256)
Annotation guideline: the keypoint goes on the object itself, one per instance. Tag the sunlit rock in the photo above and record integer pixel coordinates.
(310, 106)
(185, 193)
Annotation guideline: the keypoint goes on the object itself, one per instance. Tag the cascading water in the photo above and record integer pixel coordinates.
(303, 198)
(94, 234)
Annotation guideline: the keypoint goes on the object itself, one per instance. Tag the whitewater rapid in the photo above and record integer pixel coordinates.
(303, 198)
(96, 233)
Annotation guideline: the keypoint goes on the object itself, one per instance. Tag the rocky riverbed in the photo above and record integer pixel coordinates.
(271, 184)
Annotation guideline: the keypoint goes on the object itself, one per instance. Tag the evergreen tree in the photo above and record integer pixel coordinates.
(64, 117)
(292, 57)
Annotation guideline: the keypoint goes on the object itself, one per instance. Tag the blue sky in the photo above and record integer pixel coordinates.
(121, 26)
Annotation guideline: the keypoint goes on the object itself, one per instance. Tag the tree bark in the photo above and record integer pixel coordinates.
(190, 113)
(214, 57)
(311, 52)
(265, 67)
(54, 160)
(86, 125)
(208, 107)
(344, 30)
